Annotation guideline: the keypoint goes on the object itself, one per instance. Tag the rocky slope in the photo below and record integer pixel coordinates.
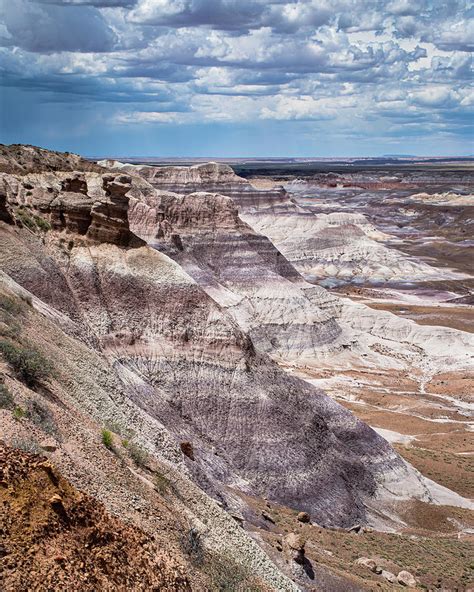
(301, 325)
(55, 537)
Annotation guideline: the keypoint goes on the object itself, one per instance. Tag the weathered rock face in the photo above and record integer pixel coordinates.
(90, 205)
(65, 534)
(173, 351)
(238, 268)
(211, 177)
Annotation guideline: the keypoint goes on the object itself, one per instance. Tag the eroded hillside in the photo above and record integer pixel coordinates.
(166, 325)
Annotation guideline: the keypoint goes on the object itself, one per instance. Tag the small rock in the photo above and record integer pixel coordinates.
(187, 449)
(238, 518)
(389, 576)
(267, 517)
(366, 562)
(48, 445)
(56, 499)
(405, 578)
(303, 517)
(356, 528)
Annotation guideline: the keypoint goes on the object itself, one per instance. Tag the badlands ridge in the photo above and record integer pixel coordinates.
(189, 342)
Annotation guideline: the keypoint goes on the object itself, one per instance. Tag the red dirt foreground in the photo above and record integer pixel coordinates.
(55, 538)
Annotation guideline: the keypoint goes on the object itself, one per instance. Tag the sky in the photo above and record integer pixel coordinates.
(238, 77)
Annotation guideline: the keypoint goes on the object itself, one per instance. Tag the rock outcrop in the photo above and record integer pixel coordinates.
(54, 537)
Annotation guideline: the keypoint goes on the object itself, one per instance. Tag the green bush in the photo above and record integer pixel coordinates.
(10, 305)
(32, 221)
(107, 440)
(29, 364)
(26, 219)
(19, 412)
(6, 398)
(42, 224)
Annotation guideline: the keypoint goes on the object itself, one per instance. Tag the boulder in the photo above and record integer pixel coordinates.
(389, 576)
(187, 449)
(267, 517)
(405, 578)
(295, 545)
(303, 517)
(366, 562)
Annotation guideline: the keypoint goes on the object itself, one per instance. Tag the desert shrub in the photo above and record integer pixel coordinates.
(6, 398)
(10, 310)
(32, 221)
(10, 305)
(42, 224)
(162, 483)
(191, 544)
(42, 417)
(228, 576)
(107, 440)
(19, 412)
(125, 443)
(26, 219)
(137, 454)
(29, 364)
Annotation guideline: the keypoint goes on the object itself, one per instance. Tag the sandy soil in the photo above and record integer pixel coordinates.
(428, 546)
(456, 317)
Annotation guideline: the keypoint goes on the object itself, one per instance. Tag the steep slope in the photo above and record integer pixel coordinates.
(346, 347)
(352, 334)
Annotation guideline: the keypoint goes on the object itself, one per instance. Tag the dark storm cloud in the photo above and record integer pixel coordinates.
(222, 14)
(52, 28)
(95, 3)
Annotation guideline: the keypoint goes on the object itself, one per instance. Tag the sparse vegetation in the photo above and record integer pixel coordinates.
(6, 398)
(223, 572)
(137, 454)
(228, 576)
(32, 221)
(26, 219)
(10, 309)
(19, 412)
(192, 546)
(162, 483)
(29, 364)
(12, 306)
(42, 224)
(42, 417)
(26, 445)
(107, 439)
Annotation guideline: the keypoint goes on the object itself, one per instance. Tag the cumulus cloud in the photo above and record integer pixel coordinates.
(354, 67)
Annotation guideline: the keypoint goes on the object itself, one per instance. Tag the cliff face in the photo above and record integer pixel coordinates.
(211, 177)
